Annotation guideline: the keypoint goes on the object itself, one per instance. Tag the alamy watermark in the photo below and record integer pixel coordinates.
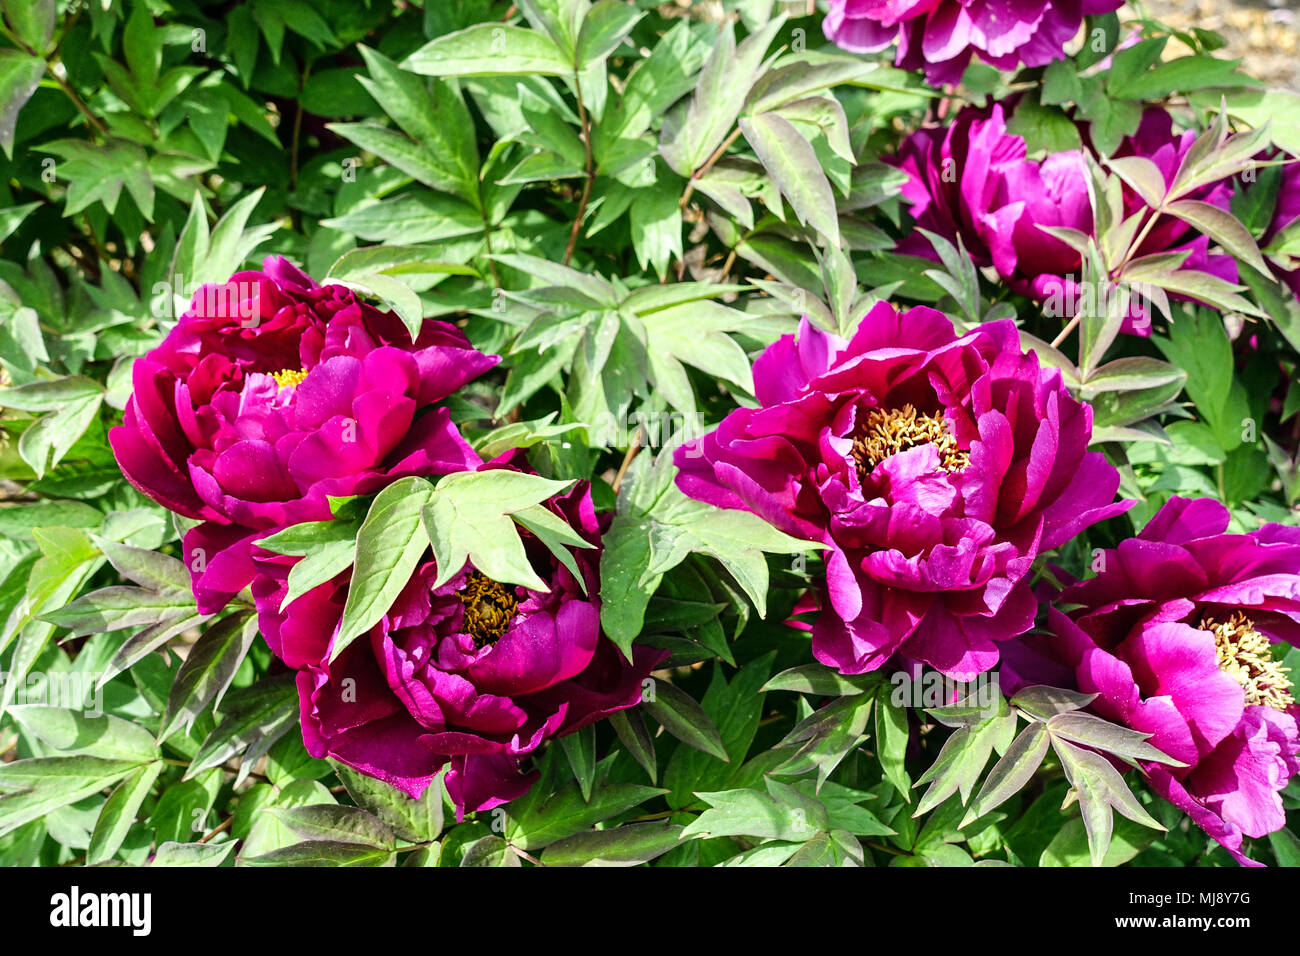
(933, 689)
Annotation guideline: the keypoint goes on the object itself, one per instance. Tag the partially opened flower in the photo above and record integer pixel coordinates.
(271, 395)
(935, 468)
(472, 673)
(974, 181)
(1179, 636)
(941, 36)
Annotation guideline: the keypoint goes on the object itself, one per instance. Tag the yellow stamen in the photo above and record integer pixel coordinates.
(886, 432)
(289, 376)
(489, 607)
(1247, 656)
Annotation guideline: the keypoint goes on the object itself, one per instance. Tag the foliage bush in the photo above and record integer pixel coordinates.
(661, 217)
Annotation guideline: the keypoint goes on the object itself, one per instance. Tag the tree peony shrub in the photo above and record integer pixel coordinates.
(609, 433)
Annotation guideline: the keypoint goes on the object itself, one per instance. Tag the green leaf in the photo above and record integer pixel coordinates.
(738, 539)
(820, 680)
(784, 815)
(389, 545)
(415, 820)
(791, 161)
(338, 824)
(892, 737)
(32, 21)
(253, 718)
(468, 518)
(75, 732)
(685, 719)
(1045, 702)
(825, 737)
(580, 749)
(490, 851)
(487, 49)
(20, 74)
(37, 786)
(208, 670)
(566, 813)
(72, 404)
(1099, 788)
(118, 814)
(323, 853)
(962, 758)
(631, 729)
(1010, 774)
(1286, 847)
(603, 30)
(629, 845)
(1222, 227)
(191, 854)
(1109, 738)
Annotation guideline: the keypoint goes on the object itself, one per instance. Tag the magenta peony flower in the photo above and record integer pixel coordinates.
(973, 180)
(273, 394)
(941, 36)
(473, 673)
(934, 468)
(1177, 637)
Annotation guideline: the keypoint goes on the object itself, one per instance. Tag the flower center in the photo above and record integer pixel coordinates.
(886, 432)
(489, 608)
(289, 376)
(1247, 656)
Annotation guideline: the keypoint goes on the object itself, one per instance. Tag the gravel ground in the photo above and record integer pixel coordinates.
(1264, 34)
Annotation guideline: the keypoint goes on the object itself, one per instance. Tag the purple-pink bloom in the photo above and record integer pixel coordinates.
(941, 36)
(271, 395)
(934, 468)
(973, 180)
(474, 675)
(1177, 636)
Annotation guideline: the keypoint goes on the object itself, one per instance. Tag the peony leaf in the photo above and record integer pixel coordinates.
(253, 718)
(791, 161)
(628, 845)
(37, 786)
(490, 851)
(328, 822)
(1045, 702)
(580, 749)
(683, 717)
(1098, 787)
(208, 670)
(820, 680)
(487, 49)
(389, 545)
(1223, 227)
(172, 854)
(118, 814)
(1010, 774)
(1091, 731)
(631, 729)
(544, 822)
(784, 814)
(74, 732)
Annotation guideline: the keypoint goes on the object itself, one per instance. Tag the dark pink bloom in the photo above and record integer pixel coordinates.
(974, 180)
(934, 468)
(273, 394)
(1177, 637)
(941, 36)
(473, 673)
